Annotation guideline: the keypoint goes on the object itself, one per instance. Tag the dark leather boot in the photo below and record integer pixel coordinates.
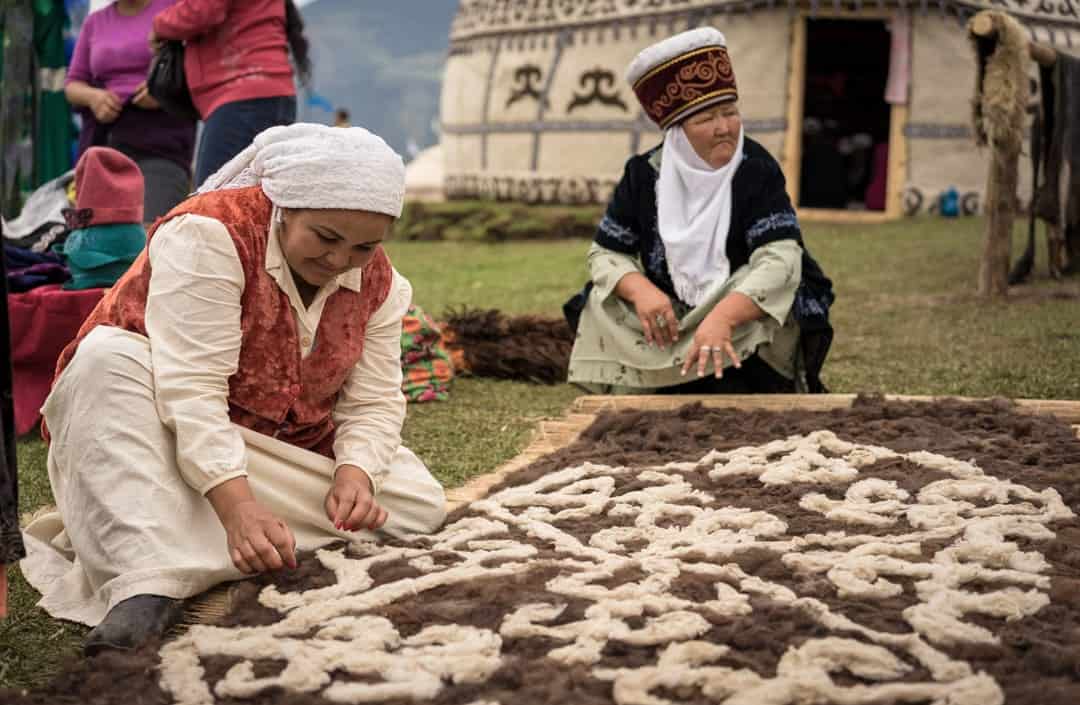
(133, 622)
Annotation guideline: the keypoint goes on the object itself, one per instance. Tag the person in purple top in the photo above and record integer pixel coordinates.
(107, 80)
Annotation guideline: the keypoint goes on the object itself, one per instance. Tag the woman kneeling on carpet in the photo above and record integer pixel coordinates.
(236, 397)
(698, 263)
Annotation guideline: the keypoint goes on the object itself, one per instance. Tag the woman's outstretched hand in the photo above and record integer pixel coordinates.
(350, 503)
(712, 341)
(258, 540)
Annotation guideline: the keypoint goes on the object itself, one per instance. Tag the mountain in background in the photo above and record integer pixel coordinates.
(383, 61)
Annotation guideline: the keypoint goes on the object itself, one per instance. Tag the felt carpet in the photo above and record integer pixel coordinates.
(887, 553)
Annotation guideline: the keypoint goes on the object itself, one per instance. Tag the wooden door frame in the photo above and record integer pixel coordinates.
(792, 161)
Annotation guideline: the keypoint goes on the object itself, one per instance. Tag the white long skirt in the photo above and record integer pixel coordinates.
(127, 523)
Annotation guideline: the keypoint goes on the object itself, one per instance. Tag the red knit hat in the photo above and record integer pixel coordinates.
(108, 189)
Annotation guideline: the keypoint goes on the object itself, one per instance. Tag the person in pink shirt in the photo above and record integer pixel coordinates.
(107, 81)
(238, 69)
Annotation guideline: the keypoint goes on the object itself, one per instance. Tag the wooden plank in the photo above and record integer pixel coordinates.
(843, 217)
(1068, 411)
(897, 176)
(792, 162)
(550, 435)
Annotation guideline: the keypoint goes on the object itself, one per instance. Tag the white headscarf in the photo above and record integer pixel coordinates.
(694, 215)
(316, 166)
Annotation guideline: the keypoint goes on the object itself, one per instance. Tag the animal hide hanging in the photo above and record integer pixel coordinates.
(1001, 86)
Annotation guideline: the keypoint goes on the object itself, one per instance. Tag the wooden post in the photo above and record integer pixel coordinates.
(1002, 179)
(795, 96)
(1001, 185)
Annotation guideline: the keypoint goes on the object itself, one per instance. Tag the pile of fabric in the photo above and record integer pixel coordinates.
(58, 271)
(106, 224)
(41, 223)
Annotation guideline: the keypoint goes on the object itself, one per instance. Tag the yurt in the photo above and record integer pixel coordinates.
(866, 104)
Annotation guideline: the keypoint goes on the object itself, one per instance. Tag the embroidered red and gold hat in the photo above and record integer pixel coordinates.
(682, 75)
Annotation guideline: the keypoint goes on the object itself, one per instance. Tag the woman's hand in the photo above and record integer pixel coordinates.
(258, 540)
(105, 106)
(653, 309)
(350, 504)
(143, 99)
(712, 340)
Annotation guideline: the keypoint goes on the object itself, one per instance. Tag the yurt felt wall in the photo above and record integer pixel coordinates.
(551, 119)
(536, 109)
(760, 49)
(941, 149)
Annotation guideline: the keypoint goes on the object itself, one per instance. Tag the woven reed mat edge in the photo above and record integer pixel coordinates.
(1068, 411)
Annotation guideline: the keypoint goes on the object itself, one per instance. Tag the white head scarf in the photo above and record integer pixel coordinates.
(316, 166)
(694, 215)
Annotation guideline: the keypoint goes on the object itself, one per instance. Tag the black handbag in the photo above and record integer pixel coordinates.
(167, 82)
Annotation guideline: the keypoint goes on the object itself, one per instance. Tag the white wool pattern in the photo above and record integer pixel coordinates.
(305, 165)
(670, 528)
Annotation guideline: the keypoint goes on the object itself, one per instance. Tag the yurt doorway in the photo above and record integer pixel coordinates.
(844, 124)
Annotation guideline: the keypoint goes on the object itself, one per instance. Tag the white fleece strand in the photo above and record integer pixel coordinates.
(306, 165)
(694, 213)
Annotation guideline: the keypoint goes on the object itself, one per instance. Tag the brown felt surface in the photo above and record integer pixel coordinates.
(1037, 661)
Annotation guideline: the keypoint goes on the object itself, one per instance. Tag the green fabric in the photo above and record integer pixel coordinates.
(610, 348)
(99, 245)
(97, 277)
(52, 143)
(99, 255)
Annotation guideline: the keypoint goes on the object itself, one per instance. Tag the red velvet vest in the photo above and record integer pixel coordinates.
(274, 391)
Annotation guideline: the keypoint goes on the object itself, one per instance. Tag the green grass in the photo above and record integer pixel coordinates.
(523, 277)
(906, 318)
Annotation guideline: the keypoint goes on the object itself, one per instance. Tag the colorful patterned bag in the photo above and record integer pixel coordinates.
(425, 363)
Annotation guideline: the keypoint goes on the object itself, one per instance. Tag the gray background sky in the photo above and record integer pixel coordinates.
(383, 61)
